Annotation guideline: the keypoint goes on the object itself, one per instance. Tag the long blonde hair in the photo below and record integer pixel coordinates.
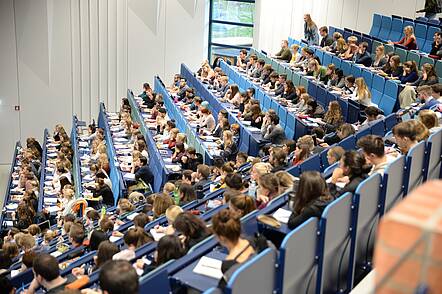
(362, 88)
(228, 138)
(309, 21)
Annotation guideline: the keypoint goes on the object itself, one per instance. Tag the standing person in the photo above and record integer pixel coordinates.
(310, 31)
(431, 8)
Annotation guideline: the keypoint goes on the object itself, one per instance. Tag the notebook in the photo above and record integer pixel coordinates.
(209, 267)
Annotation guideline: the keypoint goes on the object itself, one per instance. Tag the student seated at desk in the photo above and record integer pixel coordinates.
(104, 191)
(147, 96)
(267, 70)
(361, 94)
(342, 132)
(179, 152)
(296, 56)
(143, 175)
(373, 148)
(277, 159)
(280, 84)
(169, 247)
(352, 48)
(380, 59)
(337, 80)
(268, 189)
(426, 98)
(192, 229)
(354, 166)
(302, 105)
(271, 85)
(315, 70)
(373, 114)
(206, 121)
(257, 72)
(242, 204)
(410, 74)
(226, 226)
(133, 238)
(233, 95)
(191, 159)
(362, 56)
(241, 60)
(187, 194)
(161, 202)
(409, 39)
(408, 133)
(395, 69)
(271, 129)
(314, 109)
(310, 200)
(334, 154)
(251, 65)
(284, 54)
(229, 147)
(429, 119)
(302, 152)
(172, 138)
(289, 91)
(255, 116)
(171, 214)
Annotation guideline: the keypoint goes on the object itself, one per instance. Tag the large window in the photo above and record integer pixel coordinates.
(231, 26)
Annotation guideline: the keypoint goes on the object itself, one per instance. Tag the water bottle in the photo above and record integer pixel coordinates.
(252, 189)
(103, 211)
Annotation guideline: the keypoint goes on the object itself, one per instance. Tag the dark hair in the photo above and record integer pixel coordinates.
(204, 170)
(323, 29)
(93, 215)
(224, 113)
(227, 224)
(372, 111)
(141, 220)
(188, 192)
(242, 155)
(169, 247)
(28, 258)
(46, 266)
(96, 238)
(76, 233)
(244, 203)
(106, 250)
(136, 236)
(190, 226)
(355, 162)
(187, 174)
(243, 51)
(372, 144)
(350, 79)
(364, 44)
(5, 259)
(5, 284)
(143, 160)
(311, 187)
(119, 277)
(146, 86)
(234, 181)
(405, 129)
(279, 156)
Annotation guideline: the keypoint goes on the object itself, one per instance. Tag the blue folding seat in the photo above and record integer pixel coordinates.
(420, 32)
(388, 102)
(347, 34)
(348, 143)
(363, 132)
(416, 166)
(365, 219)
(402, 53)
(429, 39)
(376, 25)
(336, 61)
(378, 128)
(312, 88)
(312, 163)
(282, 113)
(296, 79)
(335, 267)
(438, 68)
(377, 89)
(356, 71)
(274, 105)
(327, 59)
(260, 96)
(353, 112)
(331, 30)
(344, 107)
(413, 56)
(267, 102)
(320, 55)
(434, 22)
(396, 29)
(392, 185)
(321, 96)
(368, 77)
(290, 126)
(346, 67)
(425, 59)
(375, 45)
(390, 121)
(291, 276)
(384, 32)
(434, 151)
(324, 160)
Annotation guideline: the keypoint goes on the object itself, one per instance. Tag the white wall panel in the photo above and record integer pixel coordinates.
(61, 57)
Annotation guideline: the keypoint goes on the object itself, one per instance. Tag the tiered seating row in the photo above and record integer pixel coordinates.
(157, 159)
(250, 138)
(116, 177)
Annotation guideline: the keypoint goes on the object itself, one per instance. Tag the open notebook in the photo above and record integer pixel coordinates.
(210, 267)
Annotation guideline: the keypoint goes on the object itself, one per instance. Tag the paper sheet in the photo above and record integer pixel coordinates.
(282, 215)
(209, 267)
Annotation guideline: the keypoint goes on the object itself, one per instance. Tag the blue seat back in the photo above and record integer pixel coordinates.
(348, 143)
(384, 32)
(378, 128)
(293, 278)
(368, 77)
(376, 24)
(158, 279)
(390, 121)
(260, 269)
(396, 29)
(335, 256)
(363, 132)
(365, 221)
(416, 167)
(393, 184)
(377, 89)
(434, 156)
(420, 32)
(311, 163)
